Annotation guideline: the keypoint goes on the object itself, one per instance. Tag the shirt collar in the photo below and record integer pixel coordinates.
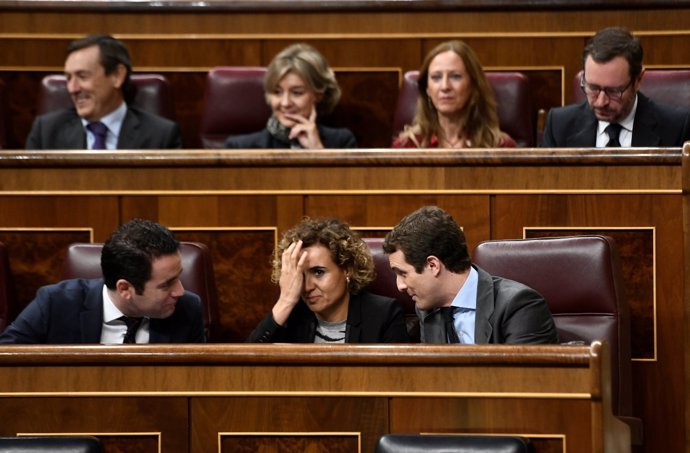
(467, 296)
(627, 122)
(110, 311)
(113, 120)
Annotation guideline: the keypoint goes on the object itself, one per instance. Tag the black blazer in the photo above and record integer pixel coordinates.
(656, 125)
(72, 312)
(63, 129)
(330, 137)
(370, 319)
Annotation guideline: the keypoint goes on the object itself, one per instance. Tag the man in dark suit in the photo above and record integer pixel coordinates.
(140, 298)
(98, 70)
(458, 302)
(616, 113)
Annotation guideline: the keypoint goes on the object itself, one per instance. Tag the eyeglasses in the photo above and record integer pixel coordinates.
(593, 91)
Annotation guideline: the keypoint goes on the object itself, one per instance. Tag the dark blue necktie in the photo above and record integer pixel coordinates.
(132, 326)
(99, 131)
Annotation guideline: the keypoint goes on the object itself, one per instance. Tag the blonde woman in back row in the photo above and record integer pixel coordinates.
(300, 87)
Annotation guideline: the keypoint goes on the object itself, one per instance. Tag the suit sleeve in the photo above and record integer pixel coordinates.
(197, 329)
(348, 139)
(33, 141)
(267, 331)
(31, 326)
(528, 320)
(547, 139)
(395, 329)
(174, 138)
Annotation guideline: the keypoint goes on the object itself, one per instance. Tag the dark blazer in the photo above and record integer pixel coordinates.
(330, 137)
(63, 129)
(656, 125)
(370, 319)
(507, 312)
(72, 312)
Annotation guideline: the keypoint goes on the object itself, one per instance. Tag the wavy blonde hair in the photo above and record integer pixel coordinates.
(348, 250)
(308, 63)
(480, 118)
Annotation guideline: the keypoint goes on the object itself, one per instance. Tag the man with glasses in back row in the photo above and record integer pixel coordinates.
(616, 113)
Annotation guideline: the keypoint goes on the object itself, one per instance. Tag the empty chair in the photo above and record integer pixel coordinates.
(384, 285)
(513, 104)
(670, 86)
(234, 104)
(83, 260)
(431, 443)
(580, 278)
(150, 92)
(52, 444)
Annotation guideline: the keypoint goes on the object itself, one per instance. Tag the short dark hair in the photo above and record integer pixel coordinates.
(429, 231)
(131, 249)
(113, 53)
(613, 42)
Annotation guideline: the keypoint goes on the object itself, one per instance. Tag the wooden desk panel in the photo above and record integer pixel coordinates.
(227, 195)
(331, 393)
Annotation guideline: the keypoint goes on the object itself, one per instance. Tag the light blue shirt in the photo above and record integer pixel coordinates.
(113, 121)
(465, 303)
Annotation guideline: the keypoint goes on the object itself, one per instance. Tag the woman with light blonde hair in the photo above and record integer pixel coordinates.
(300, 88)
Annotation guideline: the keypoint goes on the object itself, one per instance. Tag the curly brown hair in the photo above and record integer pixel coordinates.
(348, 250)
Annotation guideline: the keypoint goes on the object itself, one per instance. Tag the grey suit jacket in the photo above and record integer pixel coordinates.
(63, 129)
(507, 312)
(656, 125)
(71, 312)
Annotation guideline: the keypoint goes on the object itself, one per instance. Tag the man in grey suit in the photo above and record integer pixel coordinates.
(456, 301)
(615, 113)
(98, 70)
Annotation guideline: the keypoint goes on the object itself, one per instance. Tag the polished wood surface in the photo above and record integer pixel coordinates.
(313, 390)
(239, 202)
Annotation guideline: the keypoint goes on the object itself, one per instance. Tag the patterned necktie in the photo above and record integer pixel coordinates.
(613, 130)
(132, 326)
(99, 131)
(451, 334)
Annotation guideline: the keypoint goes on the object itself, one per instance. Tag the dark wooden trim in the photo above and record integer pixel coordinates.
(338, 5)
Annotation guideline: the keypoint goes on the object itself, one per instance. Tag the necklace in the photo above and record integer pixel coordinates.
(453, 144)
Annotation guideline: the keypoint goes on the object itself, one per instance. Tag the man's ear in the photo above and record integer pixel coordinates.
(124, 289)
(119, 75)
(434, 264)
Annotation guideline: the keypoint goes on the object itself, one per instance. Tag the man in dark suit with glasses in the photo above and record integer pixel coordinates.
(616, 113)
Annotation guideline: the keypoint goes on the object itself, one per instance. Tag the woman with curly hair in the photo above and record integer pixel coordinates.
(323, 268)
(456, 106)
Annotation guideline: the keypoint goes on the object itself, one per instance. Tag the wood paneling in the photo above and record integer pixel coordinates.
(237, 202)
(202, 397)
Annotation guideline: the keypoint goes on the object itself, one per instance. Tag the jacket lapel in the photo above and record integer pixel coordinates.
(585, 136)
(72, 135)
(91, 317)
(128, 131)
(354, 320)
(644, 129)
(485, 307)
